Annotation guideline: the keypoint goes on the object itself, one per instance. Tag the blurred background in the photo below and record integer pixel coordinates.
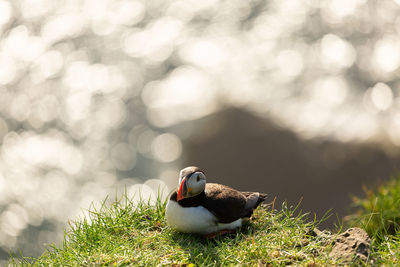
(297, 99)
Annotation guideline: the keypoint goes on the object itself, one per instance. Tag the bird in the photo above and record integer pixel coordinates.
(208, 209)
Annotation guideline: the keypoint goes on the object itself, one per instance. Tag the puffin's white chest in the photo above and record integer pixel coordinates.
(195, 219)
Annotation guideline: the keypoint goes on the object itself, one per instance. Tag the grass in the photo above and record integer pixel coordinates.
(124, 234)
(378, 212)
(128, 234)
(386, 252)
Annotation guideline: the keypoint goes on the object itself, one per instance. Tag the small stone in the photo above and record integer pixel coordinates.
(296, 257)
(303, 242)
(275, 254)
(353, 243)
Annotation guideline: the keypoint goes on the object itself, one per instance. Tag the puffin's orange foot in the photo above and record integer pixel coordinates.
(214, 235)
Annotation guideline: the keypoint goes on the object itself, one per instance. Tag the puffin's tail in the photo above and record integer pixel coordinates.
(253, 200)
(261, 198)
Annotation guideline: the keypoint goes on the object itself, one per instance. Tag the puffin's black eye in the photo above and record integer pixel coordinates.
(198, 178)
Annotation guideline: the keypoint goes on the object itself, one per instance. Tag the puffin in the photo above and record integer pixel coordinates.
(208, 209)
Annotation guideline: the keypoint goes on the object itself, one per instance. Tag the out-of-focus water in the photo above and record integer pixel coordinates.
(89, 88)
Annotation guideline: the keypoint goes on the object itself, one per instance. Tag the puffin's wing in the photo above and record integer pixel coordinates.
(225, 203)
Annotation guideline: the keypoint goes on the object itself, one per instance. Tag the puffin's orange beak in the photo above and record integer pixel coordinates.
(182, 190)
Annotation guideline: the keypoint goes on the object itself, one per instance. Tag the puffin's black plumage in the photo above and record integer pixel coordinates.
(225, 203)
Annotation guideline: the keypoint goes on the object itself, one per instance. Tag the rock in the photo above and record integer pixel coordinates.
(354, 243)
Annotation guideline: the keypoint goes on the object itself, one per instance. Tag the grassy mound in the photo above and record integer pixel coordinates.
(129, 234)
(125, 234)
(378, 212)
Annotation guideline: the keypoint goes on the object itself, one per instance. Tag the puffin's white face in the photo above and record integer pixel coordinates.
(192, 182)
